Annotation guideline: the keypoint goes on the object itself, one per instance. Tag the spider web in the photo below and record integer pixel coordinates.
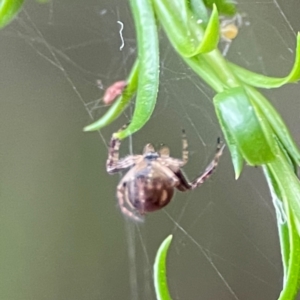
(63, 218)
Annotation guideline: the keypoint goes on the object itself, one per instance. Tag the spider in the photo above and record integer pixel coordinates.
(230, 29)
(149, 184)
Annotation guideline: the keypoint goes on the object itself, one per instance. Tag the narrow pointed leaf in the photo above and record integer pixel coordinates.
(281, 218)
(289, 188)
(148, 55)
(199, 10)
(276, 122)
(8, 10)
(187, 36)
(160, 273)
(246, 126)
(226, 7)
(285, 177)
(211, 35)
(236, 156)
(262, 81)
(120, 104)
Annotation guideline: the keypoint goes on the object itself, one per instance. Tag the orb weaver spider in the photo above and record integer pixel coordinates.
(150, 182)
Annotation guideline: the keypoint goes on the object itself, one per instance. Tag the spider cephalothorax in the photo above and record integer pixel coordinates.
(150, 182)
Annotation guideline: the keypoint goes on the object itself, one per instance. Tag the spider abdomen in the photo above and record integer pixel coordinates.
(148, 194)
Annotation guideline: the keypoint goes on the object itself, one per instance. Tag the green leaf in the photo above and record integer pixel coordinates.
(226, 7)
(8, 10)
(285, 177)
(288, 188)
(236, 155)
(199, 10)
(148, 55)
(211, 35)
(160, 274)
(246, 125)
(181, 27)
(187, 36)
(281, 218)
(120, 104)
(276, 123)
(262, 81)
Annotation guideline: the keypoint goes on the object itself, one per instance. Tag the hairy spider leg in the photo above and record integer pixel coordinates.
(186, 185)
(113, 155)
(113, 151)
(113, 164)
(148, 148)
(210, 168)
(185, 151)
(122, 205)
(165, 152)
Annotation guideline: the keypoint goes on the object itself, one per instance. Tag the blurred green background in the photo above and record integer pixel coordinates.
(62, 235)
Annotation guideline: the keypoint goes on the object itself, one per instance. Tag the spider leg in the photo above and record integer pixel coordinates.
(148, 148)
(185, 151)
(164, 151)
(122, 204)
(168, 161)
(113, 153)
(210, 168)
(124, 163)
(113, 164)
(185, 185)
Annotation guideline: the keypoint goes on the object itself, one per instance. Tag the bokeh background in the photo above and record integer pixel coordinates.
(62, 236)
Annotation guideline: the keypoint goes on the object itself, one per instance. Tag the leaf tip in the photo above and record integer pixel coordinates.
(88, 128)
(169, 238)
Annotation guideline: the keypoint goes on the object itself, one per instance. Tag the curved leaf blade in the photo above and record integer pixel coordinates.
(276, 122)
(148, 54)
(282, 173)
(246, 126)
(285, 177)
(262, 81)
(120, 104)
(200, 10)
(8, 10)
(281, 218)
(187, 36)
(160, 274)
(226, 7)
(236, 155)
(211, 34)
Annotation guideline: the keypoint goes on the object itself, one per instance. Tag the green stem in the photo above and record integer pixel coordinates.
(220, 66)
(202, 68)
